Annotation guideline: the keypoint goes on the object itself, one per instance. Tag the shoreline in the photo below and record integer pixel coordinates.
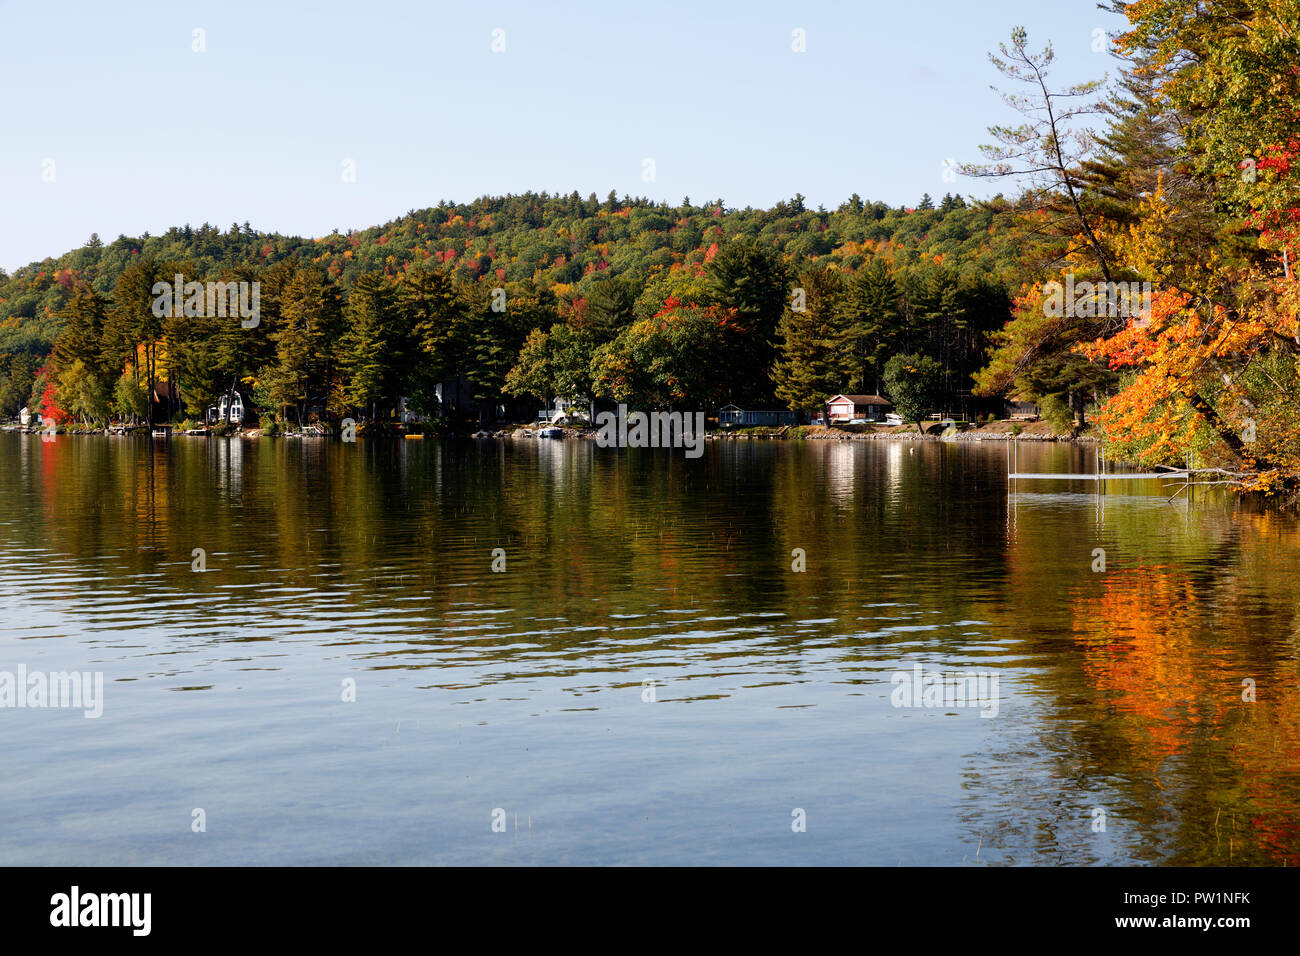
(996, 431)
(1003, 430)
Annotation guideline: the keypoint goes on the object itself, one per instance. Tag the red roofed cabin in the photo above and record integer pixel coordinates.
(847, 408)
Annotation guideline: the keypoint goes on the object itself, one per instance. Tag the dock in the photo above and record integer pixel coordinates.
(1094, 476)
(1100, 475)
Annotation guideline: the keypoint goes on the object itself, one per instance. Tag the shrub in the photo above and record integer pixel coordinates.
(1056, 412)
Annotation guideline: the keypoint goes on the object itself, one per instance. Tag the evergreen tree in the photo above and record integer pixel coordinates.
(812, 342)
(309, 326)
(436, 317)
(874, 326)
(754, 282)
(499, 335)
(132, 331)
(369, 353)
(83, 331)
(611, 306)
(17, 376)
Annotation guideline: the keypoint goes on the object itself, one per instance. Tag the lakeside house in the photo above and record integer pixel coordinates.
(847, 408)
(733, 416)
(24, 416)
(230, 408)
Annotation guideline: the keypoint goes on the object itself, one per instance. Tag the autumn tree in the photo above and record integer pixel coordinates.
(671, 360)
(1214, 366)
(82, 392)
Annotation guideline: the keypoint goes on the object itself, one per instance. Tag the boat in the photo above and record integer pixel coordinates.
(413, 437)
(551, 432)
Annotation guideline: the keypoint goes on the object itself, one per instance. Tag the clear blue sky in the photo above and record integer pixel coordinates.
(145, 133)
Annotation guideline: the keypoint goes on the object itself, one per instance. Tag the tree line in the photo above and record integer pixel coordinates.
(686, 306)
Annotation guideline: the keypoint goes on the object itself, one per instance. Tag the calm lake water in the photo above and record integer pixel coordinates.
(648, 681)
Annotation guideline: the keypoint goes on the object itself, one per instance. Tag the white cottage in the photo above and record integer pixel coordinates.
(230, 408)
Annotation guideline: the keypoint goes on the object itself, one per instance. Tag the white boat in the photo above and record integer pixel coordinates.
(550, 432)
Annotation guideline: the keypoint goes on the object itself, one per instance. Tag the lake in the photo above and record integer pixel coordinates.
(545, 652)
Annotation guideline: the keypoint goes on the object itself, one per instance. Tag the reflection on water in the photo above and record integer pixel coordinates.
(648, 681)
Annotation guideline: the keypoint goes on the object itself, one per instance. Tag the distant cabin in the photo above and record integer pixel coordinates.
(230, 408)
(846, 408)
(24, 416)
(733, 416)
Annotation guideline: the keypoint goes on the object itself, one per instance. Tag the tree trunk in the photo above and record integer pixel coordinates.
(149, 381)
(1230, 438)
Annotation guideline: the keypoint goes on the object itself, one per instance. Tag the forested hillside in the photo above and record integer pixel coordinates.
(626, 298)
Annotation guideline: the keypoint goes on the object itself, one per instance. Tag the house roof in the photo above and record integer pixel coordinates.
(862, 399)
